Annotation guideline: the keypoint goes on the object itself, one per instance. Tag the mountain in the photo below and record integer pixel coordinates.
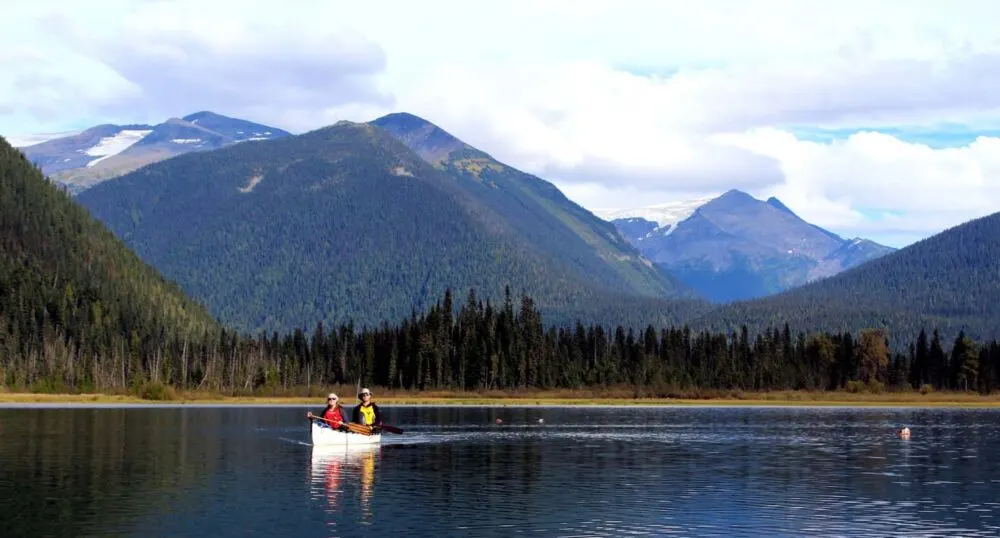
(538, 211)
(659, 218)
(950, 281)
(347, 222)
(736, 247)
(72, 292)
(86, 148)
(84, 159)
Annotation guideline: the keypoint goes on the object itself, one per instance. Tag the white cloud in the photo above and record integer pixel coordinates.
(181, 59)
(612, 101)
(604, 135)
(875, 184)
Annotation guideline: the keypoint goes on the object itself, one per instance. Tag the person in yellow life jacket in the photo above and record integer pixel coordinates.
(367, 412)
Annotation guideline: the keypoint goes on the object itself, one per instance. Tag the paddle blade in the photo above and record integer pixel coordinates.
(392, 429)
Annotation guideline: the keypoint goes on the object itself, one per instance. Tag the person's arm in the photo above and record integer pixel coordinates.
(318, 418)
(356, 414)
(343, 419)
(378, 415)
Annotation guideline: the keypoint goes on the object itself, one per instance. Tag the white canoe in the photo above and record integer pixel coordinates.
(322, 436)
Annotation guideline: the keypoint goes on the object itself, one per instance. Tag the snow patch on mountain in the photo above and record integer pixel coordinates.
(665, 215)
(113, 145)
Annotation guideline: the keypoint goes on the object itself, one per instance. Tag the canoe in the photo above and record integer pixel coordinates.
(322, 436)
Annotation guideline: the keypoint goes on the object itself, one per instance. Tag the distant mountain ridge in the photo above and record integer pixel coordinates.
(663, 217)
(736, 247)
(84, 159)
(949, 281)
(350, 222)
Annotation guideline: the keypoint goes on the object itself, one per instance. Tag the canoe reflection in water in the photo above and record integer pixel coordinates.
(336, 470)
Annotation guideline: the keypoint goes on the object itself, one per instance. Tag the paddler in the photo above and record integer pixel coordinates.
(333, 415)
(367, 412)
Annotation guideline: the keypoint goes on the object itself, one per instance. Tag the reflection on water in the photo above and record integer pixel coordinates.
(336, 470)
(223, 472)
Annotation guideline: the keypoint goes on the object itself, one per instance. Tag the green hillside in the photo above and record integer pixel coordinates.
(539, 212)
(345, 223)
(77, 307)
(950, 281)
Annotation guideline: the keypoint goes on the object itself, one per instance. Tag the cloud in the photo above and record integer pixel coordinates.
(873, 184)
(848, 92)
(691, 166)
(583, 123)
(179, 62)
(616, 103)
(602, 134)
(35, 85)
(605, 198)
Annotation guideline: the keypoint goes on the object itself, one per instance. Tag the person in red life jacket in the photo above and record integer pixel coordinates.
(367, 412)
(333, 414)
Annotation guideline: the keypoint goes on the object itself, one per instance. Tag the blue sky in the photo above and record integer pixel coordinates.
(872, 119)
(937, 137)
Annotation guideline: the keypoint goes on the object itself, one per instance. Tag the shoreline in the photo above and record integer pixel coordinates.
(543, 398)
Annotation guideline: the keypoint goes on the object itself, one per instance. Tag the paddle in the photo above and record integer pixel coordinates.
(366, 430)
(352, 427)
(358, 428)
(392, 429)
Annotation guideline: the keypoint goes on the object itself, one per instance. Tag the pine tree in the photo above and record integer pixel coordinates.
(937, 363)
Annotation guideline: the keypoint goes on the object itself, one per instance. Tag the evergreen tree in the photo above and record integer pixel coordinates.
(937, 363)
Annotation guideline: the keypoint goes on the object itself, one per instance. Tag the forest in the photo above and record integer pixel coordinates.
(480, 346)
(949, 281)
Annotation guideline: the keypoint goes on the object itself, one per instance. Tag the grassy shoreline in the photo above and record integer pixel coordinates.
(544, 398)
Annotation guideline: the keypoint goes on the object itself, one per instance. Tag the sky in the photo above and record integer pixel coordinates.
(876, 119)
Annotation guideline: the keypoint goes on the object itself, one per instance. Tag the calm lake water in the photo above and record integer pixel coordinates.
(250, 471)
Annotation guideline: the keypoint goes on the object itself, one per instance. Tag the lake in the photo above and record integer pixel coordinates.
(587, 471)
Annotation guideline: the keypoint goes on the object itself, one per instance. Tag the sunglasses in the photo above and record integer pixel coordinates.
(331, 399)
(365, 394)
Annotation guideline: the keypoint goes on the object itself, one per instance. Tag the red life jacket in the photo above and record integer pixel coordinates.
(333, 414)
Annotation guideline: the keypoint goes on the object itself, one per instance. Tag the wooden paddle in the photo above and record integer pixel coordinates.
(359, 428)
(330, 422)
(367, 430)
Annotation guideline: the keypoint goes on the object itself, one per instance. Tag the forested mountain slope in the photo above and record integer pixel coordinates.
(70, 291)
(949, 281)
(347, 223)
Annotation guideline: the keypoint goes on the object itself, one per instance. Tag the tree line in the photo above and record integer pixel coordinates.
(481, 346)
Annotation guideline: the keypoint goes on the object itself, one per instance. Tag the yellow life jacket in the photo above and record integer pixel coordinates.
(367, 415)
